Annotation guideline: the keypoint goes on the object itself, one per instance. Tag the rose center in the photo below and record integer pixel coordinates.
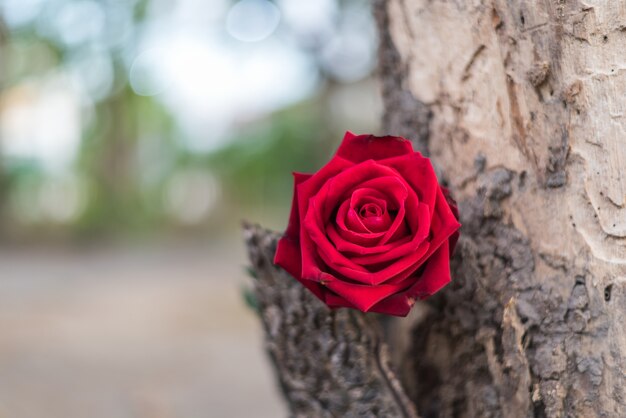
(370, 210)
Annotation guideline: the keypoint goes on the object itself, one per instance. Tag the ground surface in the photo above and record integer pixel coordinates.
(116, 332)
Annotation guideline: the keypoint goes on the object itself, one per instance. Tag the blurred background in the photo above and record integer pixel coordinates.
(135, 135)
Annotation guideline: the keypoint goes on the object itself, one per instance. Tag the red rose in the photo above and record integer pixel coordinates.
(373, 229)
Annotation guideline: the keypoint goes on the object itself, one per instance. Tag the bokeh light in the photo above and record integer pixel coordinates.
(20, 12)
(252, 20)
(79, 22)
(190, 196)
(143, 78)
(41, 120)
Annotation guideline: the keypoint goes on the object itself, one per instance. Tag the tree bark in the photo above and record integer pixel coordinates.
(526, 123)
(520, 105)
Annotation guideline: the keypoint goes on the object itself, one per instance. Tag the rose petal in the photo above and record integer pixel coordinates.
(368, 197)
(320, 247)
(304, 192)
(397, 192)
(325, 200)
(435, 276)
(339, 187)
(418, 172)
(412, 214)
(377, 223)
(352, 222)
(363, 296)
(372, 210)
(443, 225)
(293, 227)
(400, 250)
(325, 250)
(289, 244)
(353, 246)
(335, 301)
(365, 195)
(346, 268)
(316, 286)
(288, 255)
(391, 188)
(396, 305)
(364, 198)
(353, 230)
(366, 147)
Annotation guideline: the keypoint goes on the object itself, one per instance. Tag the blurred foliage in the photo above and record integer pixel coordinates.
(132, 159)
(256, 166)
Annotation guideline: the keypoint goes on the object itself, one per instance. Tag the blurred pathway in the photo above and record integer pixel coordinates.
(153, 332)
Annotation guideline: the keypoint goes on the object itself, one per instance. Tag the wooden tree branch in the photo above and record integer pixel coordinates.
(329, 363)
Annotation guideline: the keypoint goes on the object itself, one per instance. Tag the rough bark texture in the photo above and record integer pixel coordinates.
(526, 105)
(520, 105)
(329, 363)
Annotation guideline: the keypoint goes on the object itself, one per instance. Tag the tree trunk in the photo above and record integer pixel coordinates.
(520, 105)
(527, 125)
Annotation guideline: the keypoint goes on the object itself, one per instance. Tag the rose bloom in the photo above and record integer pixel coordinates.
(372, 229)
